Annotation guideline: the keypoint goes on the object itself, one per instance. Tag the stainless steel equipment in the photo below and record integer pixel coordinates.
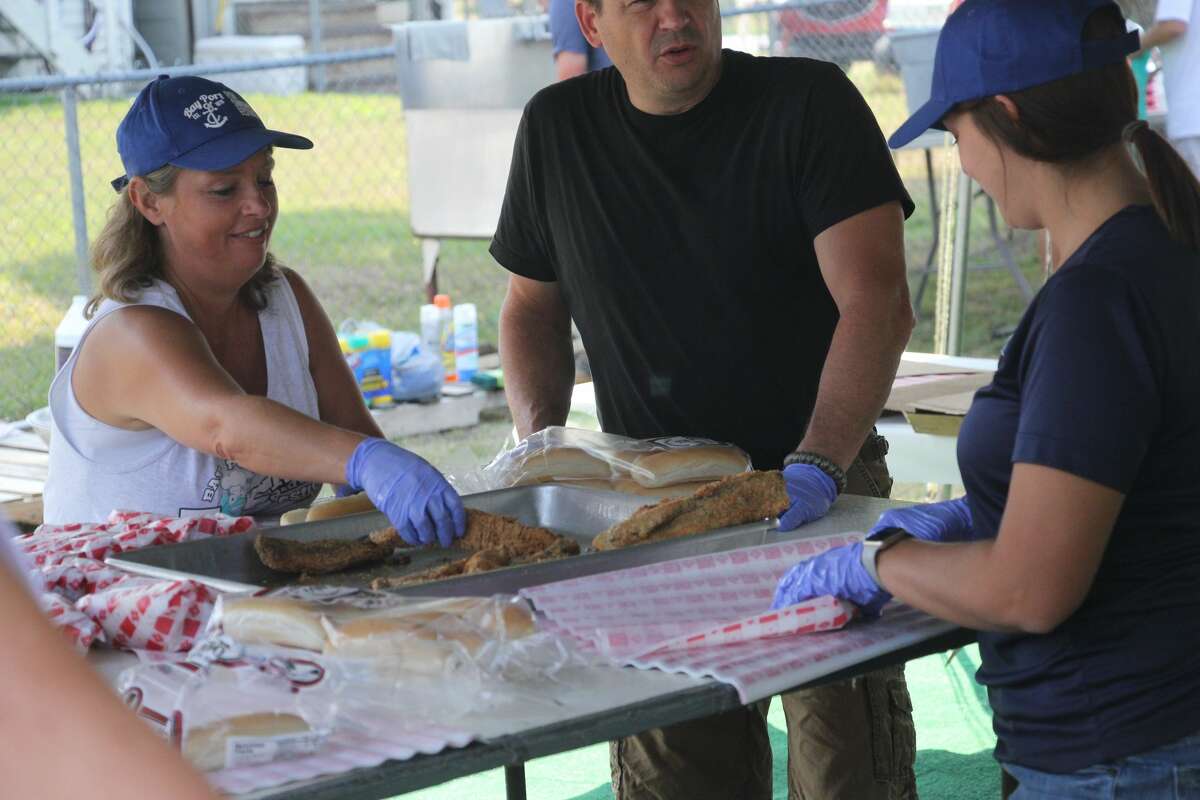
(230, 563)
(464, 85)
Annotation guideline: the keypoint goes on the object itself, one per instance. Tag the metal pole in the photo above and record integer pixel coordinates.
(958, 270)
(314, 42)
(948, 218)
(514, 782)
(78, 204)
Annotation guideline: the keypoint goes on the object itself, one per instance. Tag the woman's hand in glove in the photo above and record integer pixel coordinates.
(838, 572)
(949, 521)
(418, 501)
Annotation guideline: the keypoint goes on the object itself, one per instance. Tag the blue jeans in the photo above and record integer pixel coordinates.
(1170, 772)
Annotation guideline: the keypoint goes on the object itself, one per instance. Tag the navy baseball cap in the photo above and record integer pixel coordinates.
(989, 47)
(195, 123)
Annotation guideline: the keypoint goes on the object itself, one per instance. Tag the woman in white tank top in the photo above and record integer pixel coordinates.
(209, 379)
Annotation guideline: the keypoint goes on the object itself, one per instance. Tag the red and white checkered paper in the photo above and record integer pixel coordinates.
(99, 602)
(123, 531)
(646, 617)
(150, 614)
(78, 627)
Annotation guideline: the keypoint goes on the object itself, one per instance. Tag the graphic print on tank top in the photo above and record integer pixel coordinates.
(233, 489)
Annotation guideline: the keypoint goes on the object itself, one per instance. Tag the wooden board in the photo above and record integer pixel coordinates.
(911, 390)
(26, 513)
(24, 466)
(936, 424)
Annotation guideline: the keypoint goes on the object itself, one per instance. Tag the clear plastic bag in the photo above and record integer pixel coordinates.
(424, 658)
(607, 461)
(224, 708)
(417, 373)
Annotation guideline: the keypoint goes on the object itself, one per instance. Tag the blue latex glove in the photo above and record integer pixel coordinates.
(811, 491)
(949, 521)
(838, 572)
(344, 490)
(421, 505)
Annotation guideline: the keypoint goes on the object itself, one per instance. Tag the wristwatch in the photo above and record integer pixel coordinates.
(880, 541)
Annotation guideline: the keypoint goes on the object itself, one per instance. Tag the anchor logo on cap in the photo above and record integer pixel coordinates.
(208, 105)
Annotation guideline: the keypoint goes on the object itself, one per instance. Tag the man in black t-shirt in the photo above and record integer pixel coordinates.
(727, 233)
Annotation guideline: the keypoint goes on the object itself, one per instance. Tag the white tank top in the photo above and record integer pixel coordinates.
(95, 467)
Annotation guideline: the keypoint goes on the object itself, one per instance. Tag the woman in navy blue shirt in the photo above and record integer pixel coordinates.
(1076, 551)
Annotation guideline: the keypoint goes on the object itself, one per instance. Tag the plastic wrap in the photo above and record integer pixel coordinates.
(425, 658)
(222, 709)
(605, 460)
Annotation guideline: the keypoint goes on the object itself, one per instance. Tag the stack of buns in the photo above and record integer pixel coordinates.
(649, 471)
(428, 638)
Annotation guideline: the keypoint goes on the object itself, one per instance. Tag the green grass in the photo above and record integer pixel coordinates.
(343, 224)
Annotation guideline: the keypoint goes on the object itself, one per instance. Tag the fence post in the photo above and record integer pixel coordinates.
(78, 205)
(314, 42)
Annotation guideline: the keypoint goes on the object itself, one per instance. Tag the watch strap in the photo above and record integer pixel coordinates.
(872, 547)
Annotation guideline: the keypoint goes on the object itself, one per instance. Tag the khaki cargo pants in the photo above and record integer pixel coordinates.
(852, 740)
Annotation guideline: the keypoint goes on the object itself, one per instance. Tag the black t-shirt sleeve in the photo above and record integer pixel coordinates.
(519, 244)
(1090, 399)
(843, 163)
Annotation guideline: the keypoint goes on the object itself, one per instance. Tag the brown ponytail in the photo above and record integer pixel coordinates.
(1073, 119)
(1175, 190)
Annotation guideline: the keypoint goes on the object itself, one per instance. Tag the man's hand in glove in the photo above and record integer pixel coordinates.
(811, 491)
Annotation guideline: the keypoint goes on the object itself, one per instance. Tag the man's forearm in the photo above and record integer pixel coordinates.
(539, 368)
(856, 379)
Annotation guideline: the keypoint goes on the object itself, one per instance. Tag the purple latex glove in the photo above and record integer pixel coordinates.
(421, 505)
(838, 572)
(949, 521)
(344, 490)
(811, 491)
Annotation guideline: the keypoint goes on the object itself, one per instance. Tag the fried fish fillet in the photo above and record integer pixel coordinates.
(321, 556)
(482, 561)
(731, 501)
(489, 532)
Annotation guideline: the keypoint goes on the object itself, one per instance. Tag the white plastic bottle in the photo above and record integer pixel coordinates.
(466, 341)
(430, 338)
(446, 335)
(69, 331)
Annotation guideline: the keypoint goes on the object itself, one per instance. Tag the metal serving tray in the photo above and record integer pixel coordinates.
(230, 563)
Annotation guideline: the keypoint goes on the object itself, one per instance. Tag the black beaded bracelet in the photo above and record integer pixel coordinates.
(826, 465)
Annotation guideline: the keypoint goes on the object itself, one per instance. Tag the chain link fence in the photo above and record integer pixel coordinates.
(344, 220)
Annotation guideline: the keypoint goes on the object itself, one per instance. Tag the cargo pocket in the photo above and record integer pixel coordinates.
(893, 737)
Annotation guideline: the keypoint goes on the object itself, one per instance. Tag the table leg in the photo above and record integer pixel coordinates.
(514, 782)
(935, 212)
(1006, 253)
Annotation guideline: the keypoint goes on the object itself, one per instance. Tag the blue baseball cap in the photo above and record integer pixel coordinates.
(194, 123)
(989, 47)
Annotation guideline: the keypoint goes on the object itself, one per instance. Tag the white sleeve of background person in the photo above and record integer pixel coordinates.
(1181, 68)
